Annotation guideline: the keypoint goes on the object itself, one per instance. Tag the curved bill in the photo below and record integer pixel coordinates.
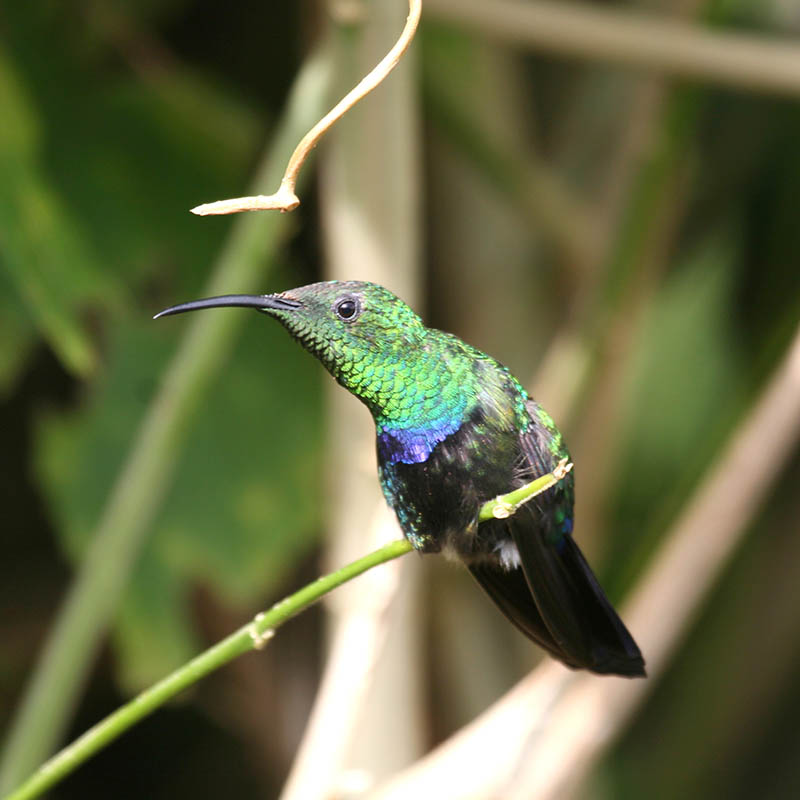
(262, 302)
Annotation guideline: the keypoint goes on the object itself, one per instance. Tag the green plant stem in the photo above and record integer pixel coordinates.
(505, 505)
(252, 636)
(147, 473)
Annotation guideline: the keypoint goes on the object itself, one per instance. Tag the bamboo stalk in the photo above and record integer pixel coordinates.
(633, 40)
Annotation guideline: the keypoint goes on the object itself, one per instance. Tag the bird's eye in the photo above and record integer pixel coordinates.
(347, 309)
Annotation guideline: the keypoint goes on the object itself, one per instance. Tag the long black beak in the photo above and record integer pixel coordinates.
(259, 301)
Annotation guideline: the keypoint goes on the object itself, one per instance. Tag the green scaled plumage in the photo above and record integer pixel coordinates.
(455, 429)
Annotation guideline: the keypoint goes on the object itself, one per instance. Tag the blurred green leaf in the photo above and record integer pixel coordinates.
(98, 170)
(40, 249)
(155, 150)
(246, 501)
(154, 631)
(17, 334)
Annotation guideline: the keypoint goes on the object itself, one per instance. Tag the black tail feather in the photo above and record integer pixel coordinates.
(613, 648)
(574, 607)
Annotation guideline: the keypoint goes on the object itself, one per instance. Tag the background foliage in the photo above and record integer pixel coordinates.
(643, 230)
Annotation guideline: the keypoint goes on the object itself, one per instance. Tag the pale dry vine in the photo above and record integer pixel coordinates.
(285, 199)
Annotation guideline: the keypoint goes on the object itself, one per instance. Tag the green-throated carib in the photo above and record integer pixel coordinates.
(454, 430)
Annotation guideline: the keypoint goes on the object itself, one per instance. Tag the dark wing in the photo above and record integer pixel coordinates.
(570, 601)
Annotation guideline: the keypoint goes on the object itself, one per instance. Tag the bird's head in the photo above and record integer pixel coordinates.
(361, 332)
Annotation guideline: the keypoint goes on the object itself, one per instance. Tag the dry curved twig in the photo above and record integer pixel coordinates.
(285, 198)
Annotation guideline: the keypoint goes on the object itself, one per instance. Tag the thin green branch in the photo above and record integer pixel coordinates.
(505, 505)
(252, 636)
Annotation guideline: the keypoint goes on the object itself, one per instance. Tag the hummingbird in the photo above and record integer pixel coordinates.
(454, 430)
